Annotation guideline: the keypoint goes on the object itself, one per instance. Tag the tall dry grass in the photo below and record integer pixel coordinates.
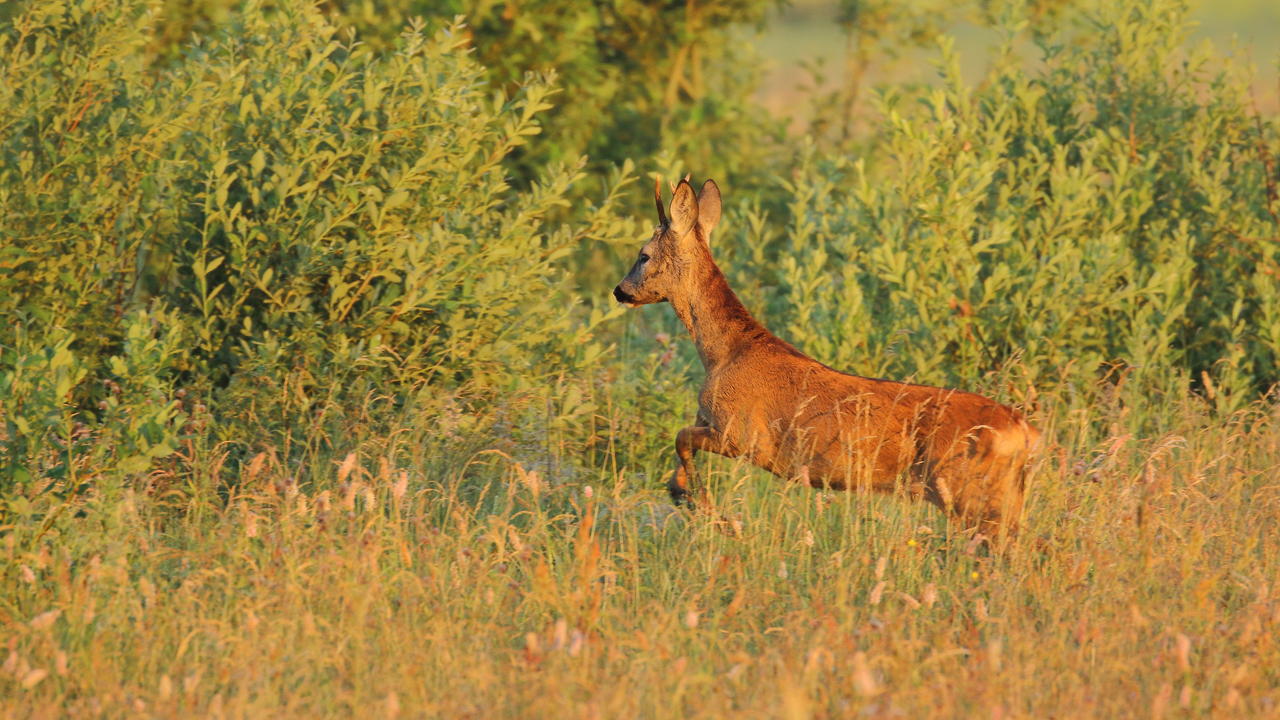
(424, 584)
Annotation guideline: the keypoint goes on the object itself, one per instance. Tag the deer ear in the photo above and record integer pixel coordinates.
(708, 207)
(684, 209)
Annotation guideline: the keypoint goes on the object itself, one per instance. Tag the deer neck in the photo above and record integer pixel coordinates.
(720, 324)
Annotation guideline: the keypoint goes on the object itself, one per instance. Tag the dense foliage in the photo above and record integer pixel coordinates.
(634, 76)
(278, 205)
(1115, 210)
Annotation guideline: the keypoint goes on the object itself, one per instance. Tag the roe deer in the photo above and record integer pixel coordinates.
(766, 401)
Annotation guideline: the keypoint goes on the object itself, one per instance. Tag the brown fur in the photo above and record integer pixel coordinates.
(766, 401)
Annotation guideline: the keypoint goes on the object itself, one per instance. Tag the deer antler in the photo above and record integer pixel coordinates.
(657, 201)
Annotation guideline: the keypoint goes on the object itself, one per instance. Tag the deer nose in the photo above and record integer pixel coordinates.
(621, 296)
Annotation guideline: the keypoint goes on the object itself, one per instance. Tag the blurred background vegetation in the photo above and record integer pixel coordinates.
(248, 247)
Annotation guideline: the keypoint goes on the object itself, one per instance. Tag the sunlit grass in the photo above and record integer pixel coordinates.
(399, 584)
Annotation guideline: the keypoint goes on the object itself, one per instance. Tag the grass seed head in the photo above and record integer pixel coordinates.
(864, 682)
(347, 466)
(1182, 649)
(876, 593)
(1160, 703)
(45, 619)
(11, 664)
(33, 678)
(1232, 699)
(560, 634)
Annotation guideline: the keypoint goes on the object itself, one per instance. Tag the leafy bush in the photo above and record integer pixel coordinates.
(1114, 208)
(301, 206)
(636, 77)
(47, 448)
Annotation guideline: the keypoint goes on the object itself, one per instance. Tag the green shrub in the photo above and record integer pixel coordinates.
(36, 380)
(638, 77)
(295, 227)
(304, 208)
(1109, 209)
(47, 450)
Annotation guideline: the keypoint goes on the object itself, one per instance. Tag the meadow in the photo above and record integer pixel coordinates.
(314, 402)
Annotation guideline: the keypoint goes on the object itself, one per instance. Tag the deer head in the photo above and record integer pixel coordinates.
(679, 246)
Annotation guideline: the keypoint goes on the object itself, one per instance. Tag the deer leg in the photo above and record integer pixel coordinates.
(688, 442)
(679, 482)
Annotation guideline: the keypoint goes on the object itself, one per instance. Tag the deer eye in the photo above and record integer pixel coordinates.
(644, 257)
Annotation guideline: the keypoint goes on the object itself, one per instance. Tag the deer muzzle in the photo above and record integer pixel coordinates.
(624, 297)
